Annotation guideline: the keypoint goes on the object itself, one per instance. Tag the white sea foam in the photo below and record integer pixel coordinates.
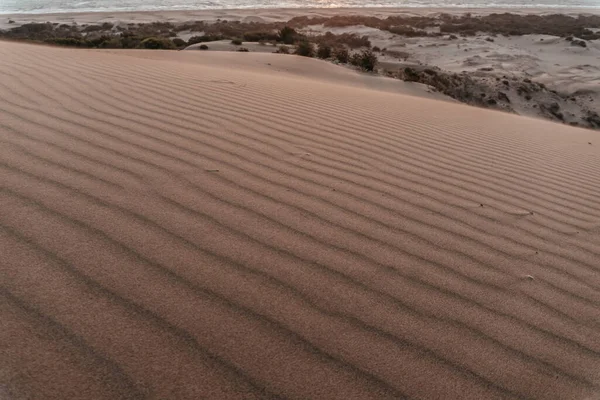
(54, 6)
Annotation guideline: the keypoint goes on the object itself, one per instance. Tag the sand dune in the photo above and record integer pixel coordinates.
(191, 225)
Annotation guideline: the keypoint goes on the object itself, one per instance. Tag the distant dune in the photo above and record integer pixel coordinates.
(186, 225)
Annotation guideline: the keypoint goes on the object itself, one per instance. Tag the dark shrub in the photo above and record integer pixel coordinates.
(282, 50)
(10, 21)
(287, 35)
(92, 28)
(341, 54)
(157, 43)
(365, 60)
(204, 38)
(258, 36)
(71, 42)
(410, 75)
(305, 49)
(352, 40)
(178, 42)
(324, 51)
(203, 47)
(236, 42)
(376, 49)
(503, 97)
(99, 41)
(33, 27)
(407, 31)
(243, 50)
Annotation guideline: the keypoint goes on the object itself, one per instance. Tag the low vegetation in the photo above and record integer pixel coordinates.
(107, 35)
(324, 51)
(365, 60)
(341, 55)
(305, 49)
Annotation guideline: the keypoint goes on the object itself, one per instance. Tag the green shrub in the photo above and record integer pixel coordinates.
(236, 42)
(324, 51)
(305, 49)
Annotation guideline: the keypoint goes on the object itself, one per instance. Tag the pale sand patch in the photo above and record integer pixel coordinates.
(187, 225)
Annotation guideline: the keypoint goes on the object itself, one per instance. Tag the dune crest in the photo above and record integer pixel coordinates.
(185, 225)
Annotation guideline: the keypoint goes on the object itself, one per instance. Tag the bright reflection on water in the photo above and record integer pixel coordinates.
(45, 6)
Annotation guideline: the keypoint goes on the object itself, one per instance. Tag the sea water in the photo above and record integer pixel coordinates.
(54, 6)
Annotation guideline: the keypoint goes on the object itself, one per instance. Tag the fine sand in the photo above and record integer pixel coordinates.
(186, 225)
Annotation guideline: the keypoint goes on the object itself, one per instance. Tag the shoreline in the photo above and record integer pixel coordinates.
(179, 15)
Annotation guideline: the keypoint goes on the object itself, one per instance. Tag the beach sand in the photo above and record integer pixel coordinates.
(185, 225)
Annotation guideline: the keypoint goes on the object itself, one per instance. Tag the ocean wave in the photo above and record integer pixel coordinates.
(65, 6)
